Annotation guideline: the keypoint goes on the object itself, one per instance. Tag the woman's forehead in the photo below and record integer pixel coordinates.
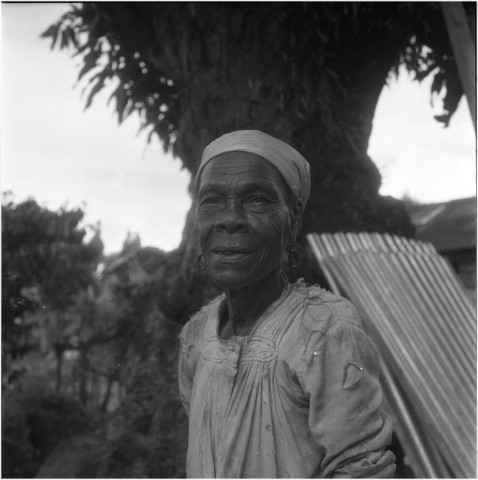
(244, 165)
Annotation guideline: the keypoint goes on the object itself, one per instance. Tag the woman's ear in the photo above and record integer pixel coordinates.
(296, 219)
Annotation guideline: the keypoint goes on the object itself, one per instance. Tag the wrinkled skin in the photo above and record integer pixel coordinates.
(246, 218)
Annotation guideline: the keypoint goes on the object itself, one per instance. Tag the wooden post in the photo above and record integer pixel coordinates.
(84, 372)
(59, 351)
(463, 50)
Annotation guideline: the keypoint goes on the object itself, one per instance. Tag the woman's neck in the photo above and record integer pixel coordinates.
(246, 305)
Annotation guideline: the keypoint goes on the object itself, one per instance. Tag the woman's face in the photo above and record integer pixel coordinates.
(243, 219)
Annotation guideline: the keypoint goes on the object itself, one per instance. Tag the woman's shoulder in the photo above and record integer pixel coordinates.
(193, 330)
(323, 310)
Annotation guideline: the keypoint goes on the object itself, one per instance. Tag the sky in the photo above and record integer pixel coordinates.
(61, 155)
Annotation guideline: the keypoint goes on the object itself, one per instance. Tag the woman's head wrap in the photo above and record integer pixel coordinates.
(289, 162)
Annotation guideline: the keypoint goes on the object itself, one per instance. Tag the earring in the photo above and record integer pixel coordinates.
(293, 259)
(201, 262)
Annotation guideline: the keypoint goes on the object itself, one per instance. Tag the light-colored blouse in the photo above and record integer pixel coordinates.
(299, 397)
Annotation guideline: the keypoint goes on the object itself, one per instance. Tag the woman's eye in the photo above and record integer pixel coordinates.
(258, 199)
(210, 201)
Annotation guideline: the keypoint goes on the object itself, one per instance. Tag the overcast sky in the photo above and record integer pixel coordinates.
(60, 154)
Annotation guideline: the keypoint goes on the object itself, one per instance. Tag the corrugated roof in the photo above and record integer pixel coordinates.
(448, 226)
(424, 325)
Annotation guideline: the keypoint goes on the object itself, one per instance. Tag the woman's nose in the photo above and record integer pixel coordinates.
(232, 220)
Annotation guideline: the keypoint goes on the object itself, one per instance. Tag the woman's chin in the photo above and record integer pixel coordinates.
(231, 279)
(227, 281)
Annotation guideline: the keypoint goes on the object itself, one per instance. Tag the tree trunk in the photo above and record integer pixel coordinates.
(245, 68)
(104, 404)
(308, 73)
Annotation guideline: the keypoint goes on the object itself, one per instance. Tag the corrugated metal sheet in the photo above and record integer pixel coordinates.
(424, 325)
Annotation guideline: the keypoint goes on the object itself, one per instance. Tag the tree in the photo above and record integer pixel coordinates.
(125, 338)
(309, 73)
(46, 249)
(45, 264)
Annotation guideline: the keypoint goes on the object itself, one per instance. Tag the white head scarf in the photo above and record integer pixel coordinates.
(289, 162)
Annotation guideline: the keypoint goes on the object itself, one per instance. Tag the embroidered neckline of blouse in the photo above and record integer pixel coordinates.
(243, 339)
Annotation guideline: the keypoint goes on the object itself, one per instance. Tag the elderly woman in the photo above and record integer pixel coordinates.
(278, 380)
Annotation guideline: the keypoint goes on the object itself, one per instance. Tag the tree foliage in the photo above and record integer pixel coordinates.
(120, 337)
(308, 73)
(45, 261)
(46, 249)
(155, 51)
(130, 341)
(34, 421)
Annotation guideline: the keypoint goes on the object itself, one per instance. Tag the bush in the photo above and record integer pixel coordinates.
(34, 421)
(77, 457)
(18, 459)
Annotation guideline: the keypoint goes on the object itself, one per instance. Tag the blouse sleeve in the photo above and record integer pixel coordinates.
(185, 380)
(340, 375)
(190, 344)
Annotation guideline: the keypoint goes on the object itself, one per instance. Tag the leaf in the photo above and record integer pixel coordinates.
(438, 82)
(121, 101)
(100, 76)
(90, 62)
(64, 40)
(72, 37)
(50, 31)
(115, 92)
(445, 119)
(150, 135)
(99, 85)
(129, 108)
(144, 125)
(80, 49)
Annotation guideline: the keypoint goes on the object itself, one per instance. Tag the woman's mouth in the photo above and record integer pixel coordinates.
(230, 253)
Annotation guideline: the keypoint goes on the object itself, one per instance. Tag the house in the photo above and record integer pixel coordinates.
(451, 228)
